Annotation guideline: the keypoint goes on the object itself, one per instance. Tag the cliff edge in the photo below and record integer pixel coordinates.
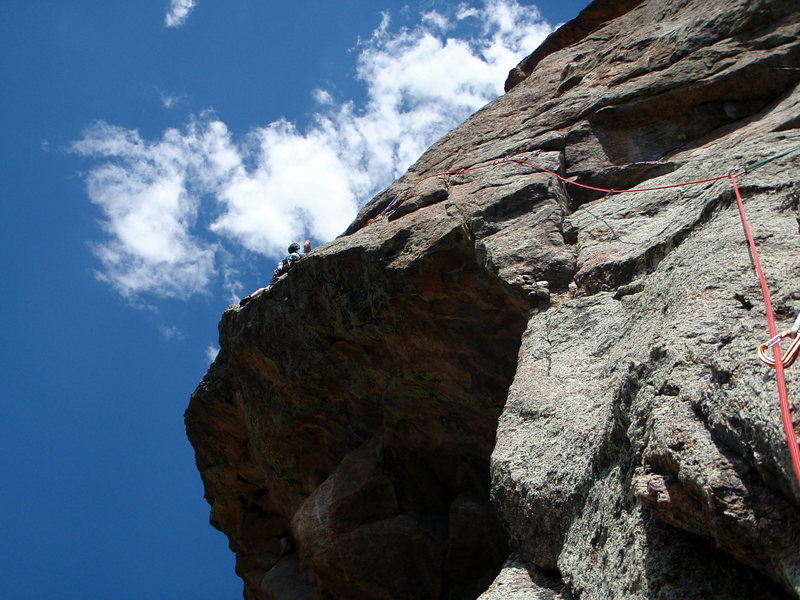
(511, 387)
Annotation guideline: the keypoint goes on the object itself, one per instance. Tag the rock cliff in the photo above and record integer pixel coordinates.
(511, 388)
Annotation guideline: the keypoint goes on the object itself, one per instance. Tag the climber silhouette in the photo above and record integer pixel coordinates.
(281, 269)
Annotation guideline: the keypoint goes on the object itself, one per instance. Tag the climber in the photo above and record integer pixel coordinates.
(287, 262)
(281, 269)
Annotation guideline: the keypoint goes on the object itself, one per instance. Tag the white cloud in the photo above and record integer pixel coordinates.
(231, 285)
(150, 195)
(169, 100)
(211, 353)
(322, 97)
(177, 211)
(170, 332)
(436, 20)
(178, 12)
(300, 185)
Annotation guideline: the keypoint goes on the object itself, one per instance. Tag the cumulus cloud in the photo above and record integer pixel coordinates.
(178, 210)
(178, 12)
(150, 195)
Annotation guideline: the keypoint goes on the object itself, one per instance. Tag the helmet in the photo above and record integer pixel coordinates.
(294, 247)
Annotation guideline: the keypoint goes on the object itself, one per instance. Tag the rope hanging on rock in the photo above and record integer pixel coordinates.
(777, 360)
(400, 197)
(761, 163)
(780, 376)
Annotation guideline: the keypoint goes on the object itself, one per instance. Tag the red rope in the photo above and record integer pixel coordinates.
(523, 161)
(783, 396)
(780, 376)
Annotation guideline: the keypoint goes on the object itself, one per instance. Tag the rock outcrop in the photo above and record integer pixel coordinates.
(510, 388)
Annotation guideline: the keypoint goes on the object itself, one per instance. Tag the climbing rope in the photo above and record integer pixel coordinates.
(783, 396)
(613, 191)
(778, 361)
(780, 376)
(761, 163)
(400, 197)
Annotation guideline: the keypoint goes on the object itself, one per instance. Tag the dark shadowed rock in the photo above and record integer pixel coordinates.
(505, 363)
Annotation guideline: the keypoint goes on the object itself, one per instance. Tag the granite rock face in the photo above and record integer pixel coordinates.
(509, 387)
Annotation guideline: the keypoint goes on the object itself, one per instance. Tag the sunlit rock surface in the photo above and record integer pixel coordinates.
(510, 388)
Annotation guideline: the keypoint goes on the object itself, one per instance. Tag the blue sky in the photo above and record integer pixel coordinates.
(157, 155)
